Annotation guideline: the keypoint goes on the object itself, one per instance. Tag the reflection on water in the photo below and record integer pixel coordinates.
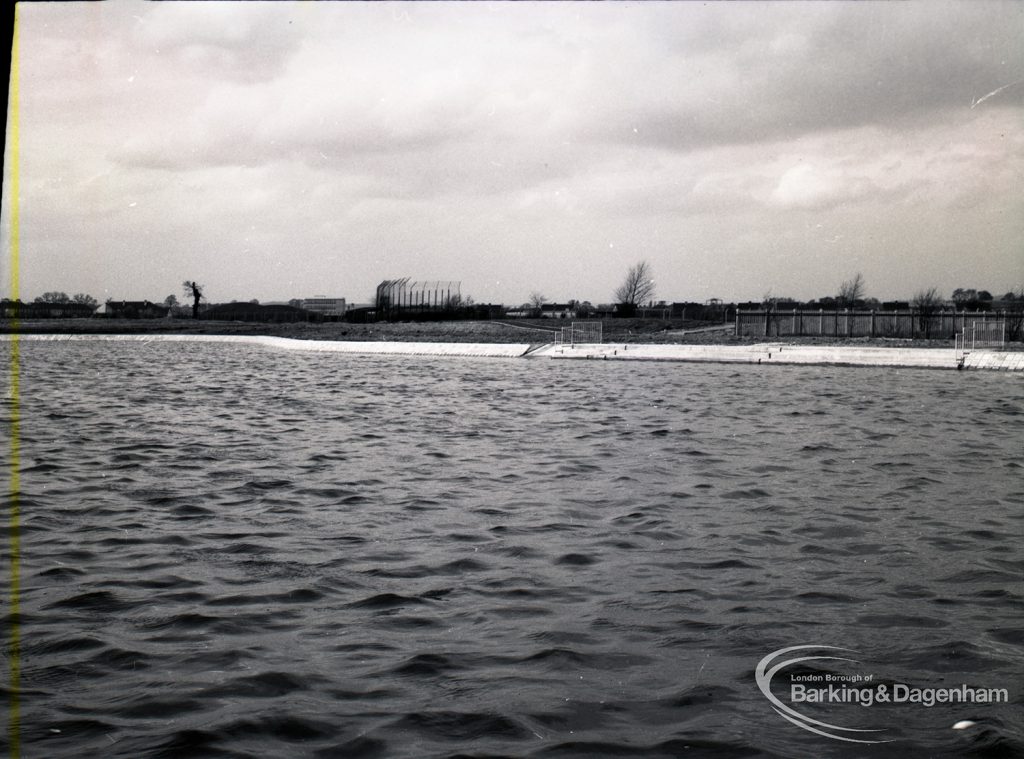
(231, 551)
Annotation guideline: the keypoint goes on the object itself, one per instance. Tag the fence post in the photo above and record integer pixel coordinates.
(872, 322)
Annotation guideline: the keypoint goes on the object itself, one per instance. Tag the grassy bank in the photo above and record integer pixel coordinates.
(642, 331)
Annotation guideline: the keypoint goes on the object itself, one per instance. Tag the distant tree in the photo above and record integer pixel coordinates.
(930, 298)
(255, 301)
(193, 290)
(770, 305)
(851, 291)
(637, 287)
(1015, 314)
(537, 302)
(53, 297)
(985, 295)
(927, 303)
(85, 300)
(295, 302)
(171, 301)
(964, 297)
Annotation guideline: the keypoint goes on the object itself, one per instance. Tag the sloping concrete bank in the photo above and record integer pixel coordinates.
(495, 350)
(760, 353)
(1006, 361)
(780, 353)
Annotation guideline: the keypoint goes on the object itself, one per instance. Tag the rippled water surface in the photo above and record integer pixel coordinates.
(233, 551)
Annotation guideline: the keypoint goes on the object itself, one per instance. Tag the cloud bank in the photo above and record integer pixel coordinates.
(277, 150)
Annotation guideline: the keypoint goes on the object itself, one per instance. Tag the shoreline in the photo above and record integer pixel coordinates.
(631, 331)
(763, 353)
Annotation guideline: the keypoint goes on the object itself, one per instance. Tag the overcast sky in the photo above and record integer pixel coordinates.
(288, 149)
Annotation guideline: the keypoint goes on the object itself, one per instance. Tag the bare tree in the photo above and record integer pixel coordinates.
(1015, 315)
(84, 299)
(1014, 324)
(770, 305)
(537, 302)
(53, 297)
(193, 290)
(851, 291)
(927, 303)
(638, 287)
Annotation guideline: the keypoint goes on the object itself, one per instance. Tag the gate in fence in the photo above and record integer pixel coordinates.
(980, 334)
(578, 333)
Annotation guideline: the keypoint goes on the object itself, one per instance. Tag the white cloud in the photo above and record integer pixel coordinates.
(807, 186)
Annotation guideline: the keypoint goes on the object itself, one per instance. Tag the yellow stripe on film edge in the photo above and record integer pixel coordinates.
(14, 515)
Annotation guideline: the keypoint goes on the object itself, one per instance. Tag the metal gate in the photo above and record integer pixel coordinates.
(580, 333)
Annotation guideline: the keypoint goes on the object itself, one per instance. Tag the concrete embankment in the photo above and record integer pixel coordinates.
(760, 353)
(495, 350)
(780, 353)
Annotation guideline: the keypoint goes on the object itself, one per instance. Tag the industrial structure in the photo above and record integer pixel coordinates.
(398, 297)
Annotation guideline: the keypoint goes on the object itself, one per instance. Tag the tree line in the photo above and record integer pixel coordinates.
(59, 297)
(638, 288)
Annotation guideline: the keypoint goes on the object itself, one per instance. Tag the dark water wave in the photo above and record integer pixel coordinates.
(234, 552)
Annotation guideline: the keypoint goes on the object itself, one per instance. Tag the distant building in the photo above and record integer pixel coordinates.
(254, 312)
(557, 311)
(15, 309)
(135, 309)
(324, 306)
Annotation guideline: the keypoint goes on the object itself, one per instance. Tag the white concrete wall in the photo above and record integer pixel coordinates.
(760, 353)
(498, 350)
(780, 353)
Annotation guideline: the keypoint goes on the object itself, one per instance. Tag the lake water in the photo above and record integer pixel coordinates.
(229, 551)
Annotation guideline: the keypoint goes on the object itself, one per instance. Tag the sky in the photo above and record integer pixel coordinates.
(278, 150)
